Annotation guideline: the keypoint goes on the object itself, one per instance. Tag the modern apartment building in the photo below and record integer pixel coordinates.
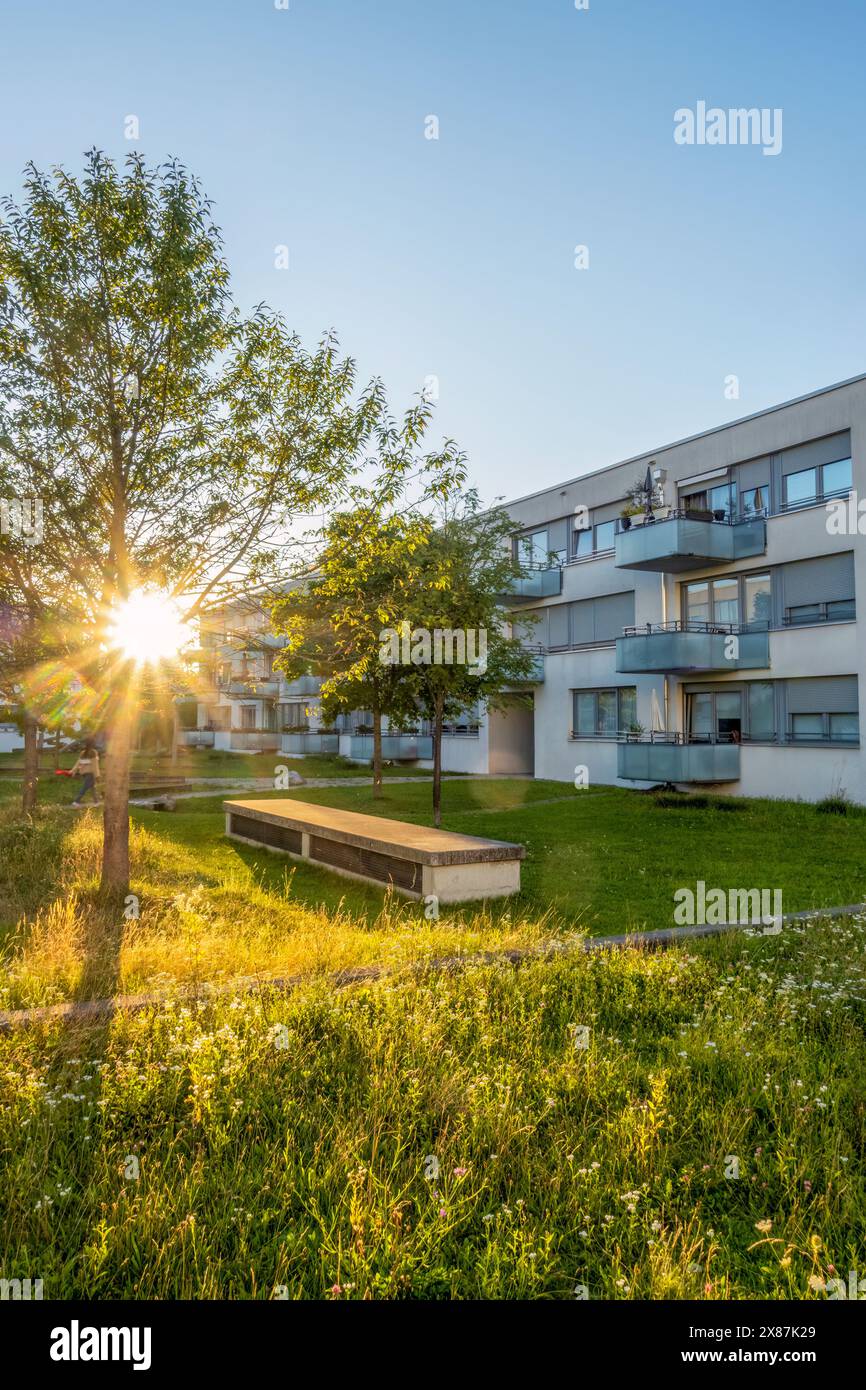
(710, 637)
(703, 633)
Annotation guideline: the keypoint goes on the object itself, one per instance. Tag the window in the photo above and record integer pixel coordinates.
(757, 600)
(807, 726)
(836, 611)
(726, 601)
(594, 539)
(698, 602)
(825, 728)
(533, 550)
(823, 709)
(836, 478)
(604, 713)
(801, 487)
(755, 501)
(723, 499)
(762, 710)
(814, 484)
(248, 716)
(844, 728)
(583, 544)
(604, 535)
(715, 715)
(722, 601)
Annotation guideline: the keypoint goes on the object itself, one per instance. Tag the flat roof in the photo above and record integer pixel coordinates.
(688, 439)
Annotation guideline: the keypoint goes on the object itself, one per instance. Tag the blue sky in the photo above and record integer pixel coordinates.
(454, 257)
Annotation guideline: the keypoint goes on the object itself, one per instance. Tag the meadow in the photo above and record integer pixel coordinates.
(609, 1124)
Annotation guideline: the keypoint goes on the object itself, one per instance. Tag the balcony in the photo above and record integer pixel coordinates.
(691, 647)
(249, 687)
(667, 758)
(535, 584)
(685, 540)
(396, 747)
(195, 738)
(304, 742)
(254, 740)
(302, 685)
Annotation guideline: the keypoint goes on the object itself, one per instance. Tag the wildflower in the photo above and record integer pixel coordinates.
(460, 1172)
(764, 1226)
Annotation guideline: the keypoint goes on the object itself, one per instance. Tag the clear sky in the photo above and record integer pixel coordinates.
(454, 257)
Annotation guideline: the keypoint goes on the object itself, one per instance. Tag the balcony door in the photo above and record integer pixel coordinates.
(715, 716)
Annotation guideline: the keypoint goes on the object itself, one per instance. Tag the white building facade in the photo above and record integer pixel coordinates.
(712, 638)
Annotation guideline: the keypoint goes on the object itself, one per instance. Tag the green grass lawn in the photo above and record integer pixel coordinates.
(436, 1135)
(598, 861)
(443, 1137)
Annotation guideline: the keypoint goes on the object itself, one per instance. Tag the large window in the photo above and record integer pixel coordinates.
(810, 485)
(721, 499)
(737, 600)
(604, 713)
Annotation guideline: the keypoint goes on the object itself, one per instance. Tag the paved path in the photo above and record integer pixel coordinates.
(266, 784)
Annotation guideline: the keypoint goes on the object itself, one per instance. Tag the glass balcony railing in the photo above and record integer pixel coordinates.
(666, 758)
(302, 685)
(304, 742)
(398, 747)
(685, 540)
(535, 584)
(254, 740)
(691, 647)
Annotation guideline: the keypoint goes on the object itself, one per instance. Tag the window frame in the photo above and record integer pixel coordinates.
(595, 691)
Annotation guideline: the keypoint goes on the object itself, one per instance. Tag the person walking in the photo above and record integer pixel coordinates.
(88, 766)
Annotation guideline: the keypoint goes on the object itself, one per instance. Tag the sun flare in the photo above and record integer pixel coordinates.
(147, 627)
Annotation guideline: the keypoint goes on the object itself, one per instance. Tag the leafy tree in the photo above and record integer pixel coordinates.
(465, 569)
(173, 443)
(363, 583)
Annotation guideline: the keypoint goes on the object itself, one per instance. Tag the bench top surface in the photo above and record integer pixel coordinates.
(397, 837)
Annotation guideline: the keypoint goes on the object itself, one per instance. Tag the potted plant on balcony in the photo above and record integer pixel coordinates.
(634, 733)
(627, 513)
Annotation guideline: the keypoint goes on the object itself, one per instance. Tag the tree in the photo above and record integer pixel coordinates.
(334, 620)
(173, 443)
(364, 579)
(454, 643)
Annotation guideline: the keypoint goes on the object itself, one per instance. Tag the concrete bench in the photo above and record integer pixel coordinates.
(413, 859)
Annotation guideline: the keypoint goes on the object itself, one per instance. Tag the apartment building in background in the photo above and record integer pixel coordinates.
(704, 634)
(713, 640)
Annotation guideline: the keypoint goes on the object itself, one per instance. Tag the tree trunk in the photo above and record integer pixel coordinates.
(31, 765)
(115, 813)
(175, 740)
(437, 761)
(377, 752)
(57, 750)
